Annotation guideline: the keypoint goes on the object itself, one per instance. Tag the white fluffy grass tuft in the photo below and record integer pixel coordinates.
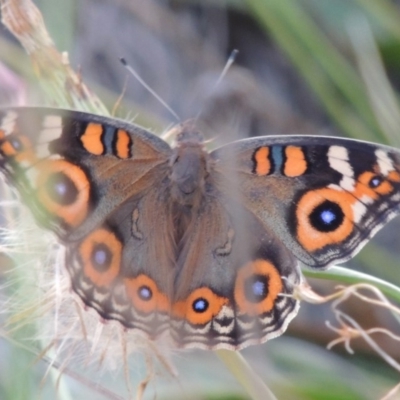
(38, 306)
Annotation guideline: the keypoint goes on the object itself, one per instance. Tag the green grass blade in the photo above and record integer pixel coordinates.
(348, 276)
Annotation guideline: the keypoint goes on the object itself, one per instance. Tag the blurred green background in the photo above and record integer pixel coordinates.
(304, 66)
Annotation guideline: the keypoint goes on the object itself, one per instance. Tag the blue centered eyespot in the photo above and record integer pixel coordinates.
(375, 181)
(145, 293)
(101, 257)
(256, 288)
(259, 288)
(327, 217)
(16, 144)
(200, 305)
(61, 189)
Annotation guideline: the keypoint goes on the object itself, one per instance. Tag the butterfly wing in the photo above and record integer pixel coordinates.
(235, 281)
(323, 197)
(92, 181)
(124, 268)
(104, 187)
(67, 164)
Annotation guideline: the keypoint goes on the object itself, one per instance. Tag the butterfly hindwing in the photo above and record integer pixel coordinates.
(324, 197)
(242, 291)
(124, 267)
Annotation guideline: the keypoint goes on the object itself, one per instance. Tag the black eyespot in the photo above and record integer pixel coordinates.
(327, 217)
(256, 288)
(145, 293)
(375, 181)
(61, 189)
(101, 257)
(200, 305)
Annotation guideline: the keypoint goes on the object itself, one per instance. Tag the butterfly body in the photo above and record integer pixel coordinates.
(201, 246)
(190, 168)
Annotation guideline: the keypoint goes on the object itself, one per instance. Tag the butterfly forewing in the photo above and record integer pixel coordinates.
(324, 197)
(72, 168)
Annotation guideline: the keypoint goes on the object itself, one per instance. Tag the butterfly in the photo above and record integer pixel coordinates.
(202, 247)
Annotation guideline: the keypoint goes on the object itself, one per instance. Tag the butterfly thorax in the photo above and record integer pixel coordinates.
(190, 166)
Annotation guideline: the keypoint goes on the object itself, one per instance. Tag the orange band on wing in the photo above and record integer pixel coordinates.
(295, 164)
(123, 144)
(91, 139)
(384, 188)
(262, 165)
(394, 176)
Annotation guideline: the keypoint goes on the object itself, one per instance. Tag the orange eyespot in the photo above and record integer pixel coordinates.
(101, 257)
(8, 149)
(374, 185)
(324, 216)
(145, 295)
(63, 189)
(366, 186)
(20, 148)
(15, 144)
(200, 307)
(257, 286)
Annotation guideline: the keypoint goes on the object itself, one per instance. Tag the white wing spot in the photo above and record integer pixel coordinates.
(335, 187)
(366, 199)
(338, 158)
(51, 128)
(384, 162)
(8, 122)
(347, 183)
(396, 197)
(359, 210)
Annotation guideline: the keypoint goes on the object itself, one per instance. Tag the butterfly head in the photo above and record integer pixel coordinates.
(187, 133)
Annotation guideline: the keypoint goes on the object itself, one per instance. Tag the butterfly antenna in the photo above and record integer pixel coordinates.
(144, 84)
(228, 64)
